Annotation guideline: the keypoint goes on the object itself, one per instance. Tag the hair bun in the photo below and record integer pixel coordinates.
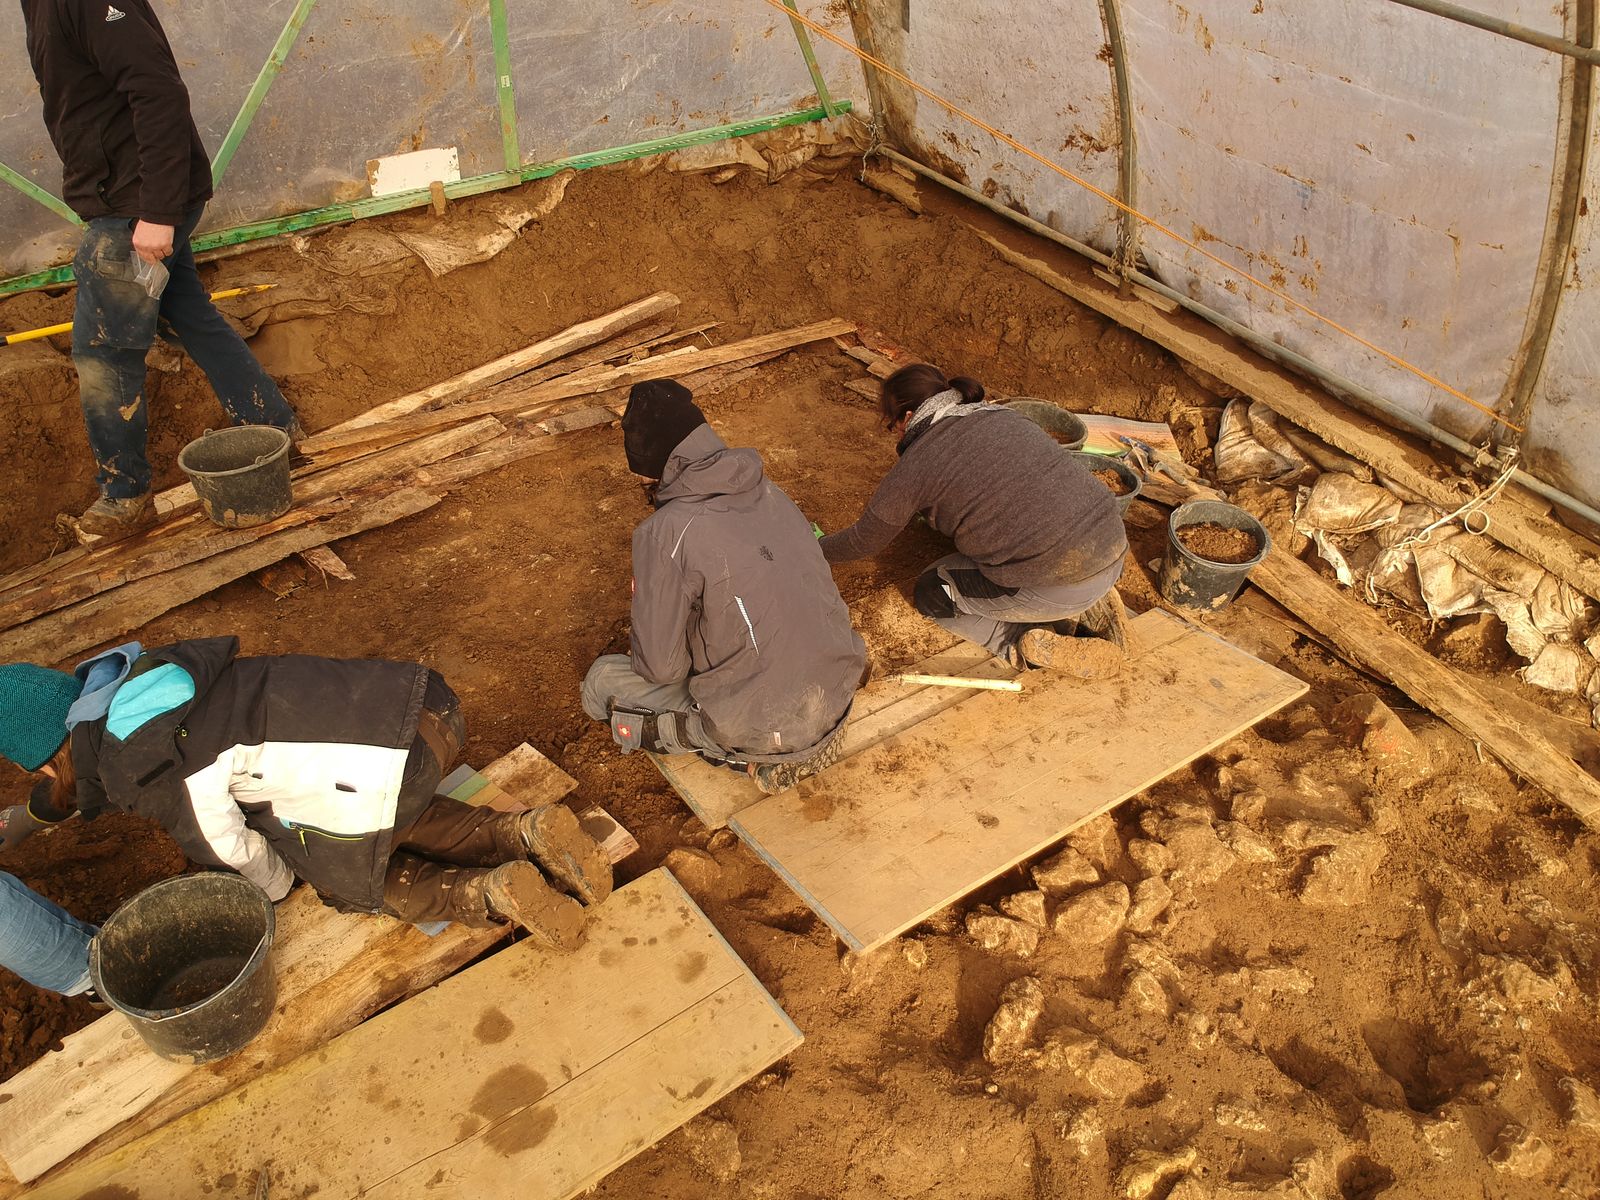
(971, 390)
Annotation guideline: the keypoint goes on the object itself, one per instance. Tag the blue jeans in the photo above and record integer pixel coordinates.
(46, 945)
(113, 326)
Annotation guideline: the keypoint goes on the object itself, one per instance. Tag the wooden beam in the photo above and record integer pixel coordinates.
(532, 1074)
(1361, 635)
(103, 1089)
(575, 337)
(1558, 550)
(586, 383)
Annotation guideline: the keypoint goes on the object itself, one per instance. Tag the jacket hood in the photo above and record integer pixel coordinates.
(703, 465)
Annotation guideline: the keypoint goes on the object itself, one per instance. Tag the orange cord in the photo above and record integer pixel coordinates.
(958, 111)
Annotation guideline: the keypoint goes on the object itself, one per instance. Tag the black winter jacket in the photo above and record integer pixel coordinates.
(117, 110)
(274, 767)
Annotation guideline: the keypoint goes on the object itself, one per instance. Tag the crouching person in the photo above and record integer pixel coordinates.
(298, 766)
(742, 649)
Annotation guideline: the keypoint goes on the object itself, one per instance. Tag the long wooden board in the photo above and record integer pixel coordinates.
(532, 1074)
(1553, 547)
(882, 709)
(1361, 634)
(885, 839)
(333, 970)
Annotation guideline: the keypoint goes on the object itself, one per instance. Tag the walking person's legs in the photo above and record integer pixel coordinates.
(42, 942)
(247, 393)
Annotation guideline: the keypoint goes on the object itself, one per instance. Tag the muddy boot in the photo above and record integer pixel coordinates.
(773, 778)
(516, 892)
(1106, 618)
(1080, 657)
(573, 859)
(110, 518)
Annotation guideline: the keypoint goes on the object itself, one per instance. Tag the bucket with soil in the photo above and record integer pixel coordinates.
(1067, 428)
(1212, 547)
(189, 963)
(1121, 480)
(241, 475)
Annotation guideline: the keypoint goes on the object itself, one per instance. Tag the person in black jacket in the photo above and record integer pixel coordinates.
(135, 170)
(286, 766)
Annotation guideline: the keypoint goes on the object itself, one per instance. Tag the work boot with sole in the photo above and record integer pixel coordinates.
(518, 893)
(110, 518)
(773, 778)
(557, 842)
(1081, 657)
(1106, 618)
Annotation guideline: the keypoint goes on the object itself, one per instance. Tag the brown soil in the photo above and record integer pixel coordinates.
(1372, 978)
(1113, 480)
(1218, 543)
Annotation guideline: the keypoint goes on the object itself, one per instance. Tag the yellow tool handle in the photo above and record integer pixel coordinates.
(11, 339)
(987, 685)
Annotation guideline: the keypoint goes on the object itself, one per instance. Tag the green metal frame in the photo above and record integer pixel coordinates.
(379, 205)
(34, 192)
(501, 33)
(514, 174)
(810, 55)
(258, 90)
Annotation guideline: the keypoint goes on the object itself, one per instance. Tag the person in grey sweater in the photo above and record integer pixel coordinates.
(1039, 540)
(742, 650)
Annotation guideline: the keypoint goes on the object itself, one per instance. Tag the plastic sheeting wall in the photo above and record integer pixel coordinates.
(369, 79)
(1390, 169)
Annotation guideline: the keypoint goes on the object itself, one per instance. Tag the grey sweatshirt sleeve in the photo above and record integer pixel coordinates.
(661, 610)
(897, 500)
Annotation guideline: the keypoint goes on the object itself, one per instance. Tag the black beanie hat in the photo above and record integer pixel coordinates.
(660, 414)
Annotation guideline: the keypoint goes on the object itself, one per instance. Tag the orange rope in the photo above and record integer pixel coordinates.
(958, 111)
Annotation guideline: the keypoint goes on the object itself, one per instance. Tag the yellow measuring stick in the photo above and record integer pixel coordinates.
(11, 339)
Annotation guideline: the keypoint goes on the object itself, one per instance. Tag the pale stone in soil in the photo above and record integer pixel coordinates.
(1249, 845)
(1152, 858)
(713, 1146)
(1143, 993)
(1150, 899)
(1198, 855)
(1002, 935)
(1025, 906)
(1093, 1063)
(695, 869)
(1094, 916)
(1145, 1171)
(1517, 1152)
(1065, 873)
(1342, 876)
(1583, 1106)
(1011, 1028)
(1098, 841)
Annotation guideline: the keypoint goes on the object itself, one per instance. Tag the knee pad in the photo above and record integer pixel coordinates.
(656, 733)
(931, 597)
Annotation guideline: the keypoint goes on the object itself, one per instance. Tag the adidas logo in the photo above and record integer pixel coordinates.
(114, 13)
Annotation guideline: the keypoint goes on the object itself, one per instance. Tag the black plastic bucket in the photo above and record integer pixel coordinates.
(1067, 428)
(189, 963)
(1105, 462)
(240, 474)
(1190, 581)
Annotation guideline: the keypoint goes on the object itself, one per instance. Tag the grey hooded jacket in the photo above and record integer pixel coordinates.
(731, 593)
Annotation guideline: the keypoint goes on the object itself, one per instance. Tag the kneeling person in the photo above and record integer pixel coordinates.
(286, 766)
(742, 648)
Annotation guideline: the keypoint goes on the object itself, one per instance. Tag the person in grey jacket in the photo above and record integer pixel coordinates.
(1039, 541)
(742, 650)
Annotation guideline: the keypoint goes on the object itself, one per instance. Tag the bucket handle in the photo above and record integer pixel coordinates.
(94, 973)
(260, 458)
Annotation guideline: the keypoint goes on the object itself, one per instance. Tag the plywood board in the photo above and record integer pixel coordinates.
(885, 839)
(533, 1074)
(881, 709)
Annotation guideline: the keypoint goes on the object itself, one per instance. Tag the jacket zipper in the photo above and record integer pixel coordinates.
(302, 830)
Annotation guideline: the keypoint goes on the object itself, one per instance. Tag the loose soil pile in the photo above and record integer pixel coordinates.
(1218, 543)
(1293, 969)
(1113, 480)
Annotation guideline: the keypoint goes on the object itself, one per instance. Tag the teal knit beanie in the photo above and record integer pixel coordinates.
(33, 712)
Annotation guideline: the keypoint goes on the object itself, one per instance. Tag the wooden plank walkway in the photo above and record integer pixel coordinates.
(887, 837)
(530, 1075)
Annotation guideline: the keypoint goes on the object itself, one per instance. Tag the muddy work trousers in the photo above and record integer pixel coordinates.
(956, 594)
(612, 683)
(115, 323)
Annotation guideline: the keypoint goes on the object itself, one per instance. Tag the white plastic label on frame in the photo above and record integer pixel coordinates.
(414, 171)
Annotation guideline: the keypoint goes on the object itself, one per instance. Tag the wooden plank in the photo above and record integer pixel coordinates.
(1361, 635)
(882, 709)
(334, 969)
(57, 635)
(1565, 554)
(885, 839)
(531, 1074)
(575, 337)
(584, 383)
